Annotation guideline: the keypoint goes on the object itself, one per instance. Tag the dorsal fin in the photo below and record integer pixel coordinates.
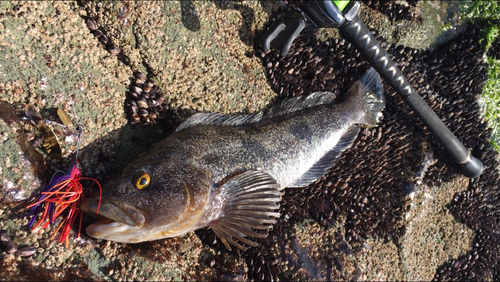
(219, 120)
(291, 105)
(284, 107)
(321, 167)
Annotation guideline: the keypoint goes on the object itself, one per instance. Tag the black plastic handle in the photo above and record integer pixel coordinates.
(280, 35)
(270, 35)
(360, 36)
(284, 40)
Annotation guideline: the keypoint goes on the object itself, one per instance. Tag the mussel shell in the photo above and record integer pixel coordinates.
(142, 103)
(134, 109)
(145, 121)
(26, 251)
(135, 118)
(137, 89)
(104, 39)
(149, 83)
(152, 116)
(143, 112)
(113, 49)
(91, 24)
(156, 90)
(140, 77)
(97, 33)
(133, 95)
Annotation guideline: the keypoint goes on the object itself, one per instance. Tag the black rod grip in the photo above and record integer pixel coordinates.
(270, 35)
(284, 40)
(360, 36)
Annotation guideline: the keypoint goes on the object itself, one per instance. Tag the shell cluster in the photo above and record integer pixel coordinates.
(369, 184)
(6, 244)
(145, 102)
(98, 32)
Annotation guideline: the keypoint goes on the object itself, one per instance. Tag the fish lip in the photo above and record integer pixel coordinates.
(114, 217)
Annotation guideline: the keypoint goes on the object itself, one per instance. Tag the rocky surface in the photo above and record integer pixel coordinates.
(23, 167)
(393, 208)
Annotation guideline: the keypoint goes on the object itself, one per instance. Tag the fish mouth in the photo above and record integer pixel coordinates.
(114, 218)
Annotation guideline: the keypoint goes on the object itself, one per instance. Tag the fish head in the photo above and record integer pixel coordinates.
(150, 200)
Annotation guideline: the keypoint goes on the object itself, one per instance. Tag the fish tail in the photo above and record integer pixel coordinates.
(372, 95)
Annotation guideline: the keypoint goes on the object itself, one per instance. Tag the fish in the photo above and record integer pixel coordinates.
(228, 172)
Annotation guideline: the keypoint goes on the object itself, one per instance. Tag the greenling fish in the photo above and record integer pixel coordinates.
(227, 172)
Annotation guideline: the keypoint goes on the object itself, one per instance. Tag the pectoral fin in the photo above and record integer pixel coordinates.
(251, 206)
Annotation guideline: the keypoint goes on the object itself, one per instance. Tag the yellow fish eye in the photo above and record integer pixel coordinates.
(141, 180)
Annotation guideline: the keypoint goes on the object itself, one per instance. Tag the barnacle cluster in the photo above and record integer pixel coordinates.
(6, 244)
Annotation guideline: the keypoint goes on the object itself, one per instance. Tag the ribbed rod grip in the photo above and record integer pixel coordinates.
(360, 36)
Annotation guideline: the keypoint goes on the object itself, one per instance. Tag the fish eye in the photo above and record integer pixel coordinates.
(141, 180)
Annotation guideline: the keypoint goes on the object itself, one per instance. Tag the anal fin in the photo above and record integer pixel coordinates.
(321, 167)
(251, 206)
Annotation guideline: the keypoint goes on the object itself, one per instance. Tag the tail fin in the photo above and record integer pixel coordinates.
(370, 86)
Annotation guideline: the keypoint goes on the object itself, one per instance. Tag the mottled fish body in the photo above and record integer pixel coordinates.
(227, 172)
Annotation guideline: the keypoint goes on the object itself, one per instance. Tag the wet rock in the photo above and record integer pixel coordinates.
(22, 167)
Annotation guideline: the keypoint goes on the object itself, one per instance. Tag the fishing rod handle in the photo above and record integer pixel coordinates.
(360, 36)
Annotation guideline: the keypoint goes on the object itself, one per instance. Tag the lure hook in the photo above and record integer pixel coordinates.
(63, 191)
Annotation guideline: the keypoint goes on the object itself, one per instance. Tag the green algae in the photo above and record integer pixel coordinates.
(487, 12)
(480, 9)
(491, 96)
(96, 263)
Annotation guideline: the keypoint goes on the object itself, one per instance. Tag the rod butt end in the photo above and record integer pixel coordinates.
(473, 168)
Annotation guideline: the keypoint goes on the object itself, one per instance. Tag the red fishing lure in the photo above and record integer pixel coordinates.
(63, 191)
